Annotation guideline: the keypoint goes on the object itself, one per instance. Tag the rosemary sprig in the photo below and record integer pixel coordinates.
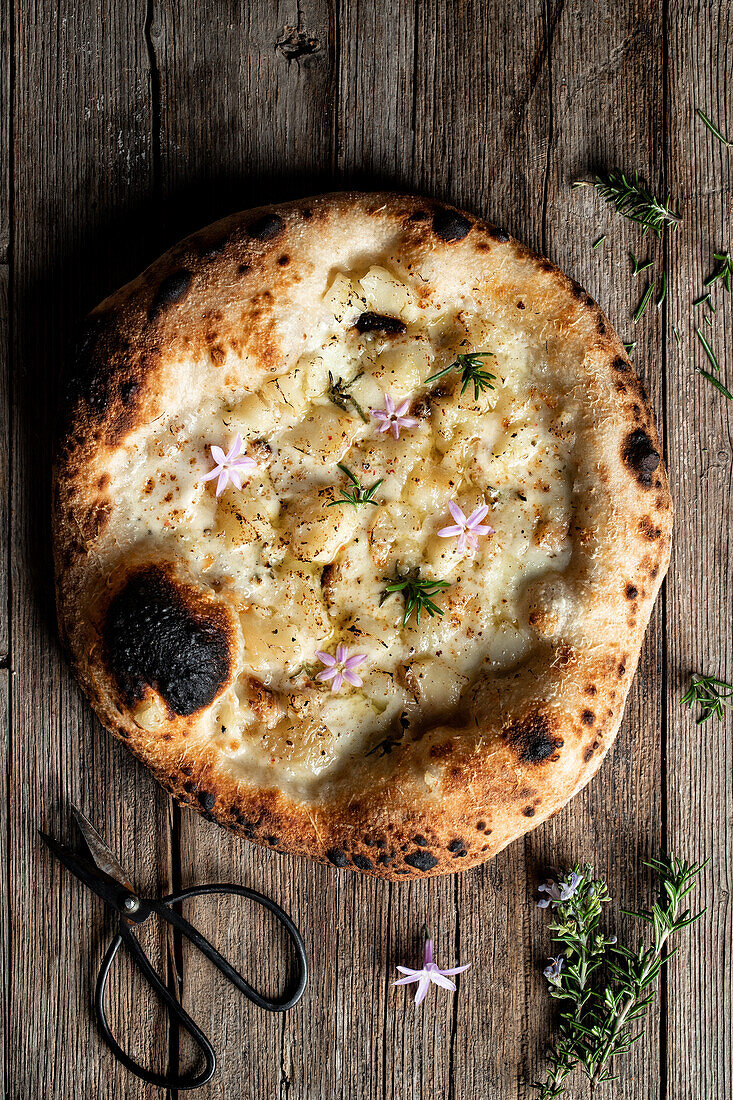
(710, 694)
(633, 198)
(338, 394)
(708, 350)
(417, 593)
(724, 271)
(644, 303)
(358, 495)
(472, 371)
(712, 127)
(704, 299)
(600, 1008)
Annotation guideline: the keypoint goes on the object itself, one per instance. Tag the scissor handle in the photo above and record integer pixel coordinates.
(187, 1080)
(292, 994)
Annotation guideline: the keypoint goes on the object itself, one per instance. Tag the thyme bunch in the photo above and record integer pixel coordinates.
(602, 1007)
(632, 197)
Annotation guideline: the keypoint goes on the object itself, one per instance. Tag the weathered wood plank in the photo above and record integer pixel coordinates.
(606, 102)
(699, 1047)
(5, 92)
(5, 887)
(81, 173)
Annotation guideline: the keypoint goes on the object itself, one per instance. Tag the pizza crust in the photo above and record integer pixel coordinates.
(219, 317)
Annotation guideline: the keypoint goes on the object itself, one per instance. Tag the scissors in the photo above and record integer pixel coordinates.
(98, 869)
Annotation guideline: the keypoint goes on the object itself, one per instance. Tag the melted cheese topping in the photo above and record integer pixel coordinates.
(304, 576)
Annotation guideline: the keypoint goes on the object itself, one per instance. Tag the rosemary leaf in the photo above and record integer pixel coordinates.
(708, 350)
(637, 266)
(417, 593)
(712, 127)
(716, 382)
(628, 348)
(663, 291)
(600, 241)
(677, 336)
(704, 298)
(644, 303)
(724, 271)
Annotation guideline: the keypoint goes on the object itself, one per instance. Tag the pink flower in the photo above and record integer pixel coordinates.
(429, 973)
(466, 529)
(341, 667)
(229, 467)
(393, 418)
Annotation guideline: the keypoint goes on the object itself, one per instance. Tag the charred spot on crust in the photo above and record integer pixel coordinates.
(587, 717)
(457, 845)
(533, 739)
(640, 456)
(338, 857)
(620, 364)
(648, 530)
(266, 227)
(283, 260)
(376, 322)
(421, 860)
(449, 225)
(631, 591)
(498, 235)
(207, 800)
(384, 859)
(155, 637)
(362, 862)
(171, 290)
(421, 841)
(529, 811)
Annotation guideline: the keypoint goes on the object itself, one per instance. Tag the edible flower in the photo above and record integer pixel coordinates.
(429, 973)
(392, 417)
(552, 972)
(466, 529)
(341, 667)
(229, 467)
(558, 892)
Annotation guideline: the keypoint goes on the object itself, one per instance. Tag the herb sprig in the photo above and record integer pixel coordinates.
(472, 371)
(358, 495)
(599, 1013)
(338, 394)
(417, 592)
(724, 271)
(711, 695)
(633, 198)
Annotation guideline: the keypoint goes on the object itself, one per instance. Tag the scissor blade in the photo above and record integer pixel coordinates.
(104, 858)
(108, 889)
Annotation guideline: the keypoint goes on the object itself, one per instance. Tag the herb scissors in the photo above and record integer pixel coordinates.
(98, 869)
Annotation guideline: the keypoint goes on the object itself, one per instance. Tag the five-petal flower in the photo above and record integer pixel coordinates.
(392, 417)
(229, 467)
(466, 529)
(341, 667)
(427, 974)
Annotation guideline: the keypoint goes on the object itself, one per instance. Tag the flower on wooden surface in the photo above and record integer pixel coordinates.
(429, 973)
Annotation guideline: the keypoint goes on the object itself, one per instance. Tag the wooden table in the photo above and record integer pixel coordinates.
(128, 123)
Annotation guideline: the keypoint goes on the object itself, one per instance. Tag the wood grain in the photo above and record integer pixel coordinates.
(124, 126)
(699, 795)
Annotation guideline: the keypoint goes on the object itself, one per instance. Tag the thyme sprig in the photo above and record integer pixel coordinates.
(712, 127)
(338, 394)
(472, 371)
(358, 495)
(601, 1008)
(417, 593)
(633, 198)
(711, 695)
(724, 270)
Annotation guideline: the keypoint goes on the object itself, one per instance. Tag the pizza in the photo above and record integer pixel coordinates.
(359, 517)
